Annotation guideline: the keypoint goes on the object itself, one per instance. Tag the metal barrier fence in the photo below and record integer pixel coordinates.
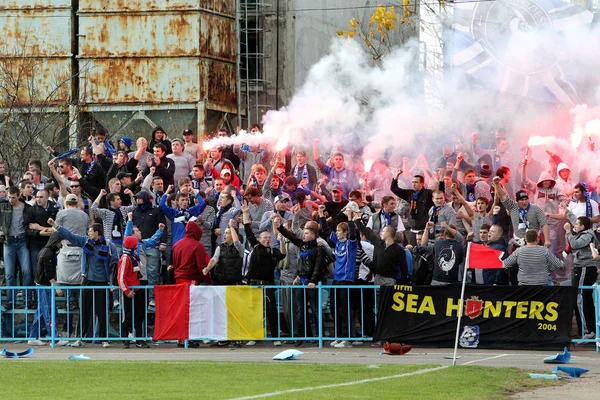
(326, 313)
(596, 297)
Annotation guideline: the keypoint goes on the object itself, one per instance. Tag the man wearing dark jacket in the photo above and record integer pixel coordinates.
(165, 167)
(159, 136)
(45, 275)
(261, 267)
(36, 219)
(449, 253)
(422, 260)
(419, 199)
(311, 270)
(496, 241)
(91, 170)
(12, 234)
(388, 257)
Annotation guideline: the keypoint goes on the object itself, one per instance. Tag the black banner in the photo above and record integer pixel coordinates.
(522, 317)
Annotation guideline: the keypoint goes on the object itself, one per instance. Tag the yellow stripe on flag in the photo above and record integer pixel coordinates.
(245, 313)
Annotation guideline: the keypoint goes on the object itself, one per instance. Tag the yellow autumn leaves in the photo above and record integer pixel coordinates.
(382, 21)
(350, 33)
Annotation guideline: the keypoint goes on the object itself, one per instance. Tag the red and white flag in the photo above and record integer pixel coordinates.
(209, 312)
(483, 257)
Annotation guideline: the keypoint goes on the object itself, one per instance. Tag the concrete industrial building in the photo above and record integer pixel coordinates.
(128, 66)
(287, 37)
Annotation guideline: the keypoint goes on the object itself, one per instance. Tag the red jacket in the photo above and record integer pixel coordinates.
(235, 180)
(127, 276)
(190, 257)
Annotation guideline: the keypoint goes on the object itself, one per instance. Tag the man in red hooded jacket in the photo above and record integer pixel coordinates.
(190, 257)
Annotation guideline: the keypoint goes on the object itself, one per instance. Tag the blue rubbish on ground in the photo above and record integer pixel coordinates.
(12, 354)
(288, 355)
(553, 377)
(560, 358)
(573, 372)
(80, 357)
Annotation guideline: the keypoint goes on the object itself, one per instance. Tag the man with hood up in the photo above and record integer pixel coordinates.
(548, 197)
(190, 257)
(564, 183)
(45, 275)
(159, 136)
(189, 262)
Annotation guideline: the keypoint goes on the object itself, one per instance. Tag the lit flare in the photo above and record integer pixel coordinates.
(539, 141)
(282, 143)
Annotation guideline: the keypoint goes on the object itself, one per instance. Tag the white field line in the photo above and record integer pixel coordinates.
(485, 359)
(334, 385)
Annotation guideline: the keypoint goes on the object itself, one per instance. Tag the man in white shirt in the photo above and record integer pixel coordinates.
(583, 205)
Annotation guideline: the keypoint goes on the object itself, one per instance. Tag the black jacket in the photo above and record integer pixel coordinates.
(502, 275)
(129, 167)
(228, 270)
(6, 210)
(387, 260)
(448, 259)
(166, 170)
(147, 219)
(38, 215)
(263, 260)
(46, 262)
(311, 265)
(166, 142)
(423, 265)
(96, 177)
(419, 213)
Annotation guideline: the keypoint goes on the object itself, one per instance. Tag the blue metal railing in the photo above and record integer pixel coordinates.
(343, 313)
(596, 297)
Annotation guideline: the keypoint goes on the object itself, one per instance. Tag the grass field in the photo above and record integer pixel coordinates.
(226, 380)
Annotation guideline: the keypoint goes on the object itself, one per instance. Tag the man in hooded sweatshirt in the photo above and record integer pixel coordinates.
(564, 183)
(190, 257)
(548, 197)
(45, 276)
(190, 260)
(584, 272)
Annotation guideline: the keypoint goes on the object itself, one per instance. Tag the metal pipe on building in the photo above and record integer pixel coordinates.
(277, 57)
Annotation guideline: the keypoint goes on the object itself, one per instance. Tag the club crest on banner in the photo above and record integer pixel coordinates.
(473, 307)
(469, 337)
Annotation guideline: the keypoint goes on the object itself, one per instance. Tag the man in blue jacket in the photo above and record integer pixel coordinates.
(345, 242)
(99, 259)
(181, 215)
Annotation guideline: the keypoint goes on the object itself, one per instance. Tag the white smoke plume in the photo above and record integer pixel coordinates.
(349, 103)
